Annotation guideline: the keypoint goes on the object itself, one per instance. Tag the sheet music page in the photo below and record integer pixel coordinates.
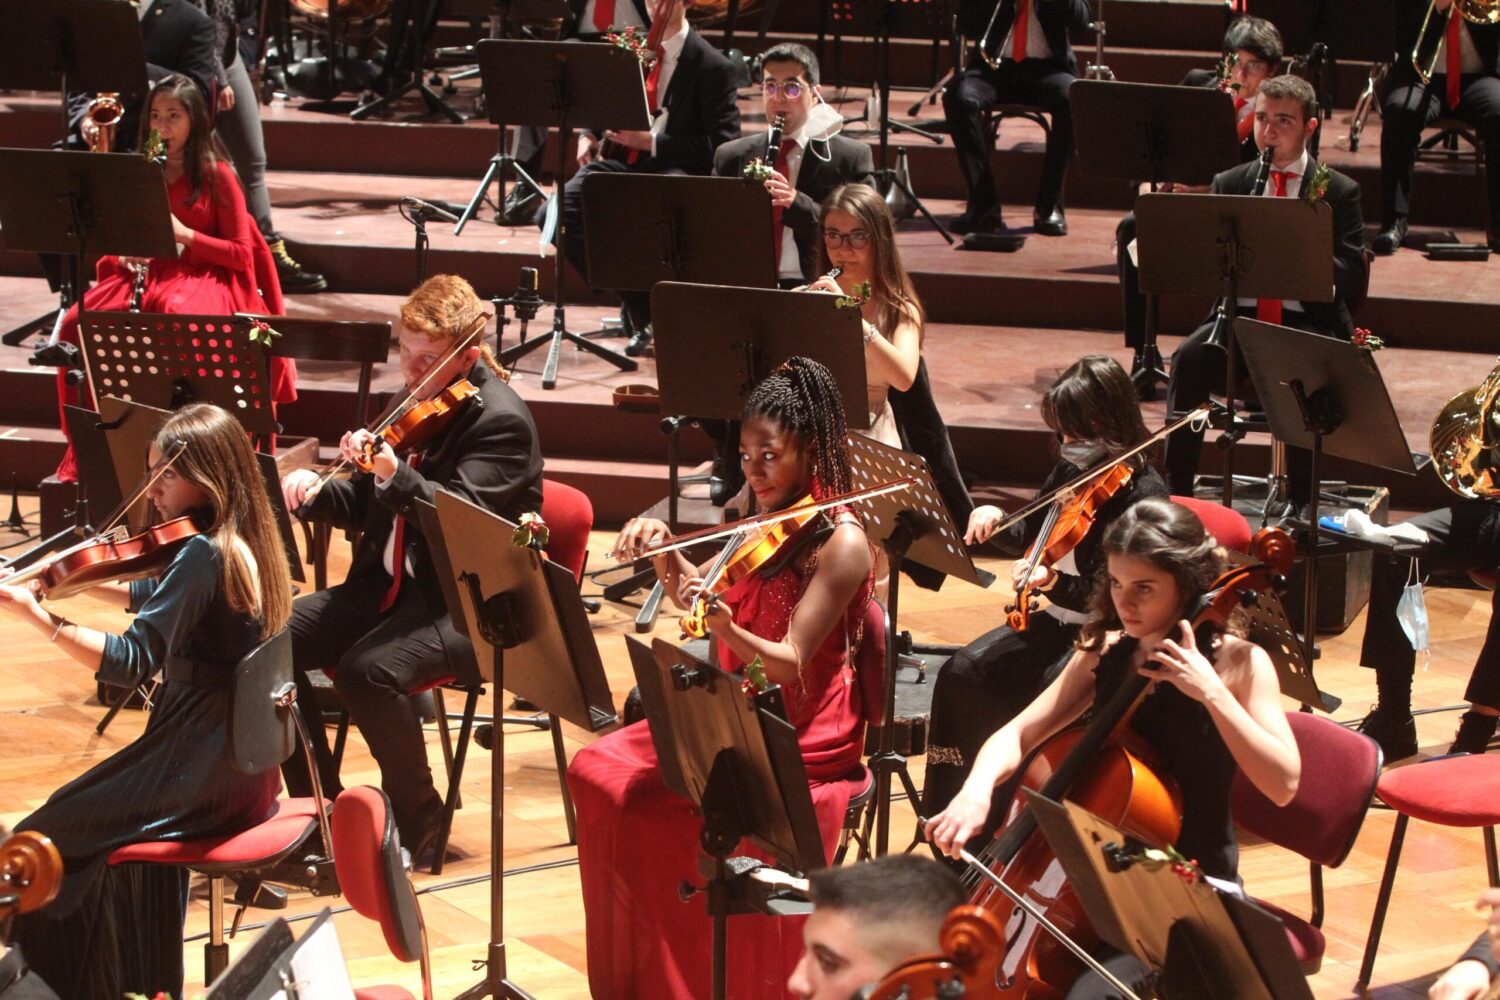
(317, 966)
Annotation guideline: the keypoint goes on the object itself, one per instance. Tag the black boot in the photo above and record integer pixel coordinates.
(1396, 732)
(1475, 730)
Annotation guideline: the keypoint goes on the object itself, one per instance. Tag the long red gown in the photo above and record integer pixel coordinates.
(637, 841)
(228, 269)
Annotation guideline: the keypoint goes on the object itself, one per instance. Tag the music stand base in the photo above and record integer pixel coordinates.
(560, 333)
(889, 177)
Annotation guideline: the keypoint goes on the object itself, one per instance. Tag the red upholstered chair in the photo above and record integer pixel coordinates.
(1460, 790)
(262, 708)
(869, 679)
(1225, 524)
(375, 882)
(1339, 771)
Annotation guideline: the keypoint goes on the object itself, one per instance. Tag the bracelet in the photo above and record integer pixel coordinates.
(870, 331)
(58, 631)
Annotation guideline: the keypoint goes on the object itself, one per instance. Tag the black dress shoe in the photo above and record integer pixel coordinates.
(520, 205)
(976, 222)
(1396, 733)
(639, 343)
(1053, 223)
(1390, 238)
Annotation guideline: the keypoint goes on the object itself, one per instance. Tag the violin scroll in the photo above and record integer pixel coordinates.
(972, 943)
(31, 871)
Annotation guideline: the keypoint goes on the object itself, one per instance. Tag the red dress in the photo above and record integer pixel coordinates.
(228, 269)
(637, 841)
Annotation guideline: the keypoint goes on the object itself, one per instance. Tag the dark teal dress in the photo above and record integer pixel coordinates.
(118, 930)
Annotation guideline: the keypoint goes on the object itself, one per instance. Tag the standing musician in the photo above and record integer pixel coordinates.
(385, 631)
(1470, 977)
(1032, 64)
(1208, 710)
(808, 166)
(692, 92)
(1253, 50)
(1285, 118)
(1092, 409)
(637, 840)
(1465, 83)
(114, 930)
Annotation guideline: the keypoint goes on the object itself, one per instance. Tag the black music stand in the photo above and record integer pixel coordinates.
(532, 637)
(1206, 944)
(1325, 395)
(1148, 132)
(735, 757)
(565, 85)
(641, 229)
(1234, 246)
(82, 205)
(909, 524)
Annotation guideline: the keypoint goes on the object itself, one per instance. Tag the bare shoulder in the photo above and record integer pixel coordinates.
(847, 549)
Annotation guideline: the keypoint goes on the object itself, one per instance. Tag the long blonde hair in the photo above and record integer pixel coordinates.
(216, 457)
(894, 294)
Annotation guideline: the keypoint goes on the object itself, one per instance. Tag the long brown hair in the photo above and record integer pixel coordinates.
(1165, 534)
(1094, 399)
(894, 294)
(203, 151)
(216, 457)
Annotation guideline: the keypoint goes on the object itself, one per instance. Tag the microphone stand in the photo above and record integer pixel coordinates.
(419, 213)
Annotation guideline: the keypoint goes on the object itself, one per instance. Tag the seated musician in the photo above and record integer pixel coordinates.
(1253, 51)
(117, 930)
(385, 631)
(808, 167)
(1035, 64)
(1465, 84)
(1463, 537)
(1092, 408)
(1285, 118)
(636, 839)
(1471, 976)
(1210, 709)
(867, 919)
(692, 94)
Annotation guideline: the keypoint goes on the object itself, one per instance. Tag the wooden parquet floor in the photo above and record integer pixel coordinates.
(47, 738)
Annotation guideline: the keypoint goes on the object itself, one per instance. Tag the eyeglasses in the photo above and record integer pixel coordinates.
(791, 90)
(857, 240)
(1251, 66)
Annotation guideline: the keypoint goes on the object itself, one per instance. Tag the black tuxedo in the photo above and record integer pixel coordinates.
(1409, 106)
(1043, 82)
(1198, 369)
(577, 27)
(702, 114)
(490, 456)
(847, 161)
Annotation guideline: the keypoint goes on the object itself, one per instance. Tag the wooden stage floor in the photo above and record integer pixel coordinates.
(47, 738)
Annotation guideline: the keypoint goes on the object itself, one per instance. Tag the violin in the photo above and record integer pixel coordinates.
(420, 423)
(1098, 767)
(1065, 528)
(749, 551)
(31, 872)
(110, 555)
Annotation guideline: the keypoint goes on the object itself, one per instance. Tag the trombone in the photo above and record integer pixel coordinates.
(1424, 56)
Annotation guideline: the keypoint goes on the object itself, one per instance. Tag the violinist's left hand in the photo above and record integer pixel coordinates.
(1181, 664)
(717, 616)
(631, 139)
(782, 192)
(21, 597)
(366, 450)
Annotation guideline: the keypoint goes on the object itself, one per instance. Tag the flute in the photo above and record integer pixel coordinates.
(833, 273)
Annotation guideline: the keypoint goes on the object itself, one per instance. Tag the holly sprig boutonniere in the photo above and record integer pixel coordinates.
(1364, 338)
(858, 296)
(262, 333)
(629, 41)
(756, 171)
(155, 149)
(754, 680)
(1223, 71)
(531, 532)
(1317, 185)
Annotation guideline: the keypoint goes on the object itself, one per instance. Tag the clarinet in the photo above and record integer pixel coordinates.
(1264, 174)
(773, 141)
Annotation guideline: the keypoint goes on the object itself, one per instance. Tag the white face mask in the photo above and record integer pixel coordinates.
(1411, 613)
(823, 123)
(1082, 454)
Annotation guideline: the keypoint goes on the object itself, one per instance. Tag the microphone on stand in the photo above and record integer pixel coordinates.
(1265, 172)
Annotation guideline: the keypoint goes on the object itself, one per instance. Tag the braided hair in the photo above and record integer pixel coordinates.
(801, 397)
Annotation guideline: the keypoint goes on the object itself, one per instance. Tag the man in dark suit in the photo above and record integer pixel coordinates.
(1465, 84)
(1033, 63)
(1285, 118)
(696, 88)
(385, 630)
(809, 167)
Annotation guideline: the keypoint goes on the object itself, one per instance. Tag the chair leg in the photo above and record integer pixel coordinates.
(1377, 922)
(1491, 862)
(445, 826)
(340, 739)
(445, 738)
(216, 952)
(562, 779)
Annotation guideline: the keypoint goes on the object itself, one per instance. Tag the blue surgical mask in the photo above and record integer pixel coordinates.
(1411, 613)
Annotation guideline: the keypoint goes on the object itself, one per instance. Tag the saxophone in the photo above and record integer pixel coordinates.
(103, 114)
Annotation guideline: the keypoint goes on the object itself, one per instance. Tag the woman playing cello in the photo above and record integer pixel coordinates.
(1207, 712)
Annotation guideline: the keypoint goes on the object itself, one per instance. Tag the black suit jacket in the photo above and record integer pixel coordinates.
(489, 456)
(1409, 15)
(847, 161)
(1057, 18)
(1351, 274)
(577, 27)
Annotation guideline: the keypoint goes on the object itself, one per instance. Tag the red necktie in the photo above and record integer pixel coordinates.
(604, 14)
(1243, 123)
(1454, 44)
(398, 564)
(787, 145)
(653, 79)
(1269, 310)
(1018, 32)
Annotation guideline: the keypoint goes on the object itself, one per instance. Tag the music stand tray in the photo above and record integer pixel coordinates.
(714, 343)
(644, 228)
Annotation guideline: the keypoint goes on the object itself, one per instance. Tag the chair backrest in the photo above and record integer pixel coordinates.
(367, 856)
(1228, 526)
(261, 736)
(1339, 771)
(366, 343)
(570, 517)
(869, 664)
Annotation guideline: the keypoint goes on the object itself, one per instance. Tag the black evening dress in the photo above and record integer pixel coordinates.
(114, 930)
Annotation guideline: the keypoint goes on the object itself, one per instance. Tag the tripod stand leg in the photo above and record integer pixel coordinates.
(906, 190)
(491, 174)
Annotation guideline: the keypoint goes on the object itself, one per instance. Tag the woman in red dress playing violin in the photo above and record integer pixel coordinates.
(224, 266)
(636, 840)
(1208, 710)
